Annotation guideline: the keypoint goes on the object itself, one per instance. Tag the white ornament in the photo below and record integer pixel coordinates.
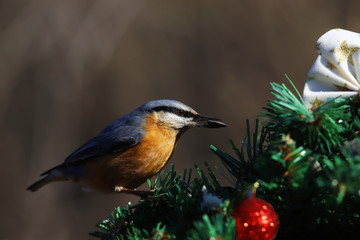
(210, 201)
(336, 71)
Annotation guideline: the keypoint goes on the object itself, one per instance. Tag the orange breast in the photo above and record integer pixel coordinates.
(131, 168)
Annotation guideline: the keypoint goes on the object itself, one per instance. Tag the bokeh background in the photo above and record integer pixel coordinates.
(68, 68)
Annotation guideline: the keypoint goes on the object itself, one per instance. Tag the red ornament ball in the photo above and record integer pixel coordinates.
(256, 220)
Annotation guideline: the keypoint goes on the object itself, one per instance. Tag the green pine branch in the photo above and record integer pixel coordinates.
(307, 164)
(171, 211)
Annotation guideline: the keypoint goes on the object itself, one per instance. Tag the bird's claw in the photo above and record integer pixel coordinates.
(118, 188)
(139, 193)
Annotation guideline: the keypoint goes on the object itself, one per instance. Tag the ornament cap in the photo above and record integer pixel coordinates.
(251, 193)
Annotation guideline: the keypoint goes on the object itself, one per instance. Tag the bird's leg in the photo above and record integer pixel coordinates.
(139, 193)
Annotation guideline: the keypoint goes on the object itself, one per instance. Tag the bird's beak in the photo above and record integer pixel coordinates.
(209, 122)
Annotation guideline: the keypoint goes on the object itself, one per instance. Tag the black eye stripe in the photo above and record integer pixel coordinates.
(179, 112)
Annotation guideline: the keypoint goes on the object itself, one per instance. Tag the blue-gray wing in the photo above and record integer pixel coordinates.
(99, 146)
(117, 137)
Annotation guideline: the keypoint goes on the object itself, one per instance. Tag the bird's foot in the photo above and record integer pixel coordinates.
(139, 193)
(118, 188)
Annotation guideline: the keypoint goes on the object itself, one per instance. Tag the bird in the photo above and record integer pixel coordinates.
(129, 150)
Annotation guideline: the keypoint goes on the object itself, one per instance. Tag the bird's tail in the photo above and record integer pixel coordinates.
(52, 176)
(38, 184)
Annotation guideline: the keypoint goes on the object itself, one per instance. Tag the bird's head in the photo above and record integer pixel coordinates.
(178, 116)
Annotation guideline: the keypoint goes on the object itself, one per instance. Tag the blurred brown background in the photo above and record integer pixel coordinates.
(68, 68)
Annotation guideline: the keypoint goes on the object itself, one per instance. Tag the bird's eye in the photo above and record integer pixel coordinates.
(180, 112)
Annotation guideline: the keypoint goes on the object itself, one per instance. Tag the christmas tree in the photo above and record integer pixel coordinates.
(303, 158)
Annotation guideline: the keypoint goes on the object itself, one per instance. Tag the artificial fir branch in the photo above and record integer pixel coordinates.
(321, 129)
(175, 205)
(306, 161)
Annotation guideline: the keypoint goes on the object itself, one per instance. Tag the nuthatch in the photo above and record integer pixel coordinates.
(131, 149)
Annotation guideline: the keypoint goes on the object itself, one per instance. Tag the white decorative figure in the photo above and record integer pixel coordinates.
(336, 71)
